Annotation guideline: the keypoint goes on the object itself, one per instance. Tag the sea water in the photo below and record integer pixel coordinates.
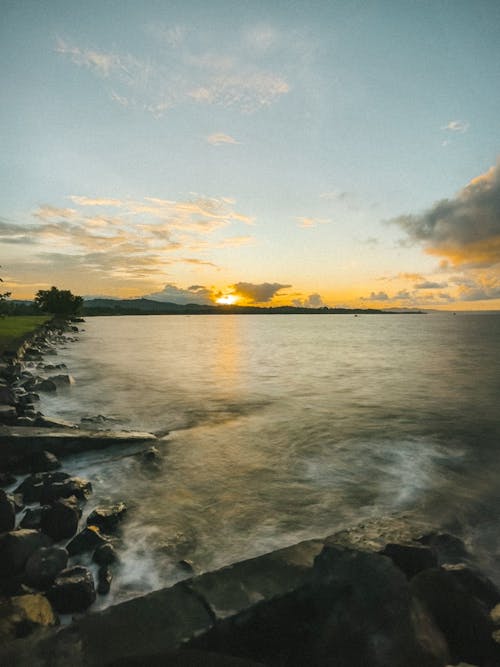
(284, 428)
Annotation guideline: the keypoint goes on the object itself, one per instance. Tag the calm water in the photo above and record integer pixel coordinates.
(287, 427)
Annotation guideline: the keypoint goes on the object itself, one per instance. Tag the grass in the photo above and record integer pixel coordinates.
(13, 329)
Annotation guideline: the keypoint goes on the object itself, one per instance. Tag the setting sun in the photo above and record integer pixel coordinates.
(227, 299)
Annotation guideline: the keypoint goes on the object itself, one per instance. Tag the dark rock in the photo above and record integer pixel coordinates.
(25, 421)
(31, 488)
(32, 518)
(17, 500)
(8, 414)
(410, 558)
(45, 385)
(460, 603)
(62, 379)
(6, 479)
(72, 486)
(44, 565)
(447, 548)
(17, 546)
(151, 455)
(105, 554)
(52, 422)
(60, 520)
(73, 590)
(105, 577)
(107, 519)
(7, 513)
(43, 462)
(186, 565)
(87, 540)
(23, 614)
(7, 396)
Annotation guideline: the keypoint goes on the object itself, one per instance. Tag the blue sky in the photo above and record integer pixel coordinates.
(276, 152)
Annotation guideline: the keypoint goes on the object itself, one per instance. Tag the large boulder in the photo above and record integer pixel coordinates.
(460, 601)
(32, 518)
(60, 520)
(107, 519)
(17, 546)
(44, 565)
(20, 615)
(7, 513)
(73, 590)
(105, 554)
(72, 486)
(32, 487)
(411, 558)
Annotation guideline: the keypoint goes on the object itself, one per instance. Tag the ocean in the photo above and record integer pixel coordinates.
(284, 428)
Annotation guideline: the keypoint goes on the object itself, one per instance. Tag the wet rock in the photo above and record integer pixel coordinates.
(32, 518)
(43, 461)
(410, 558)
(7, 513)
(447, 548)
(73, 590)
(104, 579)
(460, 602)
(105, 554)
(20, 615)
(52, 422)
(44, 565)
(45, 386)
(151, 456)
(186, 565)
(7, 396)
(107, 519)
(8, 414)
(17, 546)
(71, 486)
(60, 520)
(62, 379)
(25, 421)
(6, 479)
(31, 488)
(87, 540)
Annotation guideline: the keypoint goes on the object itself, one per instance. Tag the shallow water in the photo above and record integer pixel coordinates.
(287, 427)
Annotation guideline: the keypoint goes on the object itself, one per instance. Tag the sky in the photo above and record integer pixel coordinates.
(337, 153)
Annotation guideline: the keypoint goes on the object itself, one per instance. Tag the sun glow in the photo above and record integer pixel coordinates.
(227, 299)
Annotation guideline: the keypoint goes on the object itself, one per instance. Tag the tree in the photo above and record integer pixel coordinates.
(3, 298)
(58, 302)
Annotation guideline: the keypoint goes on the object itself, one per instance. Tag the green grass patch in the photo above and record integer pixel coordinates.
(14, 329)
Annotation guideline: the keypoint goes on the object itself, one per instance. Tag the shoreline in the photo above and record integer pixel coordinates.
(384, 564)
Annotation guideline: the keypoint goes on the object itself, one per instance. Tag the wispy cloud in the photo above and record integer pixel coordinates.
(308, 222)
(459, 126)
(220, 138)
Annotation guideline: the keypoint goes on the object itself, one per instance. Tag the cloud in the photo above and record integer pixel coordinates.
(257, 293)
(220, 138)
(465, 229)
(427, 284)
(376, 296)
(182, 72)
(312, 301)
(459, 126)
(307, 222)
(194, 294)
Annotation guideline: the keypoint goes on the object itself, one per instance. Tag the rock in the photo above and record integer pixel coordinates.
(107, 519)
(105, 578)
(31, 488)
(32, 518)
(7, 396)
(7, 513)
(410, 558)
(25, 421)
(20, 615)
(44, 565)
(105, 554)
(87, 540)
(73, 590)
(186, 565)
(151, 455)
(45, 385)
(459, 602)
(447, 548)
(52, 422)
(60, 520)
(43, 461)
(71, 486)
(17, 500)
(62, 379)
(17, 546)
(8, 414)
(6, 479)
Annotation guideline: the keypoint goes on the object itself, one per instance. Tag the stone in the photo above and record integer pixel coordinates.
(410, 558)
(53, 422)
(32, 518)
(62, 379)
(104, 579)
(6, 479)
(32, 487)
(151, 455)
(21, 615)
(45, 385)
(73, 590)
(107, 519)
(87, 540)
(44, 565)
(105, 554)
(7, 396)
(71, 486)
(8, 414)
(460, 605)
(447, 548)
(7, 513)
(43, 461)
(60, 520)
(17, 546)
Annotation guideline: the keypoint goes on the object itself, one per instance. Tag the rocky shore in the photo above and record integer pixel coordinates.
(389, 593)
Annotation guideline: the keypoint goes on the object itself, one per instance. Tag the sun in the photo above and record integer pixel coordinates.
(227, 299)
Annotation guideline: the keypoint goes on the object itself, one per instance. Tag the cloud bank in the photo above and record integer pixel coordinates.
(257, 293)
